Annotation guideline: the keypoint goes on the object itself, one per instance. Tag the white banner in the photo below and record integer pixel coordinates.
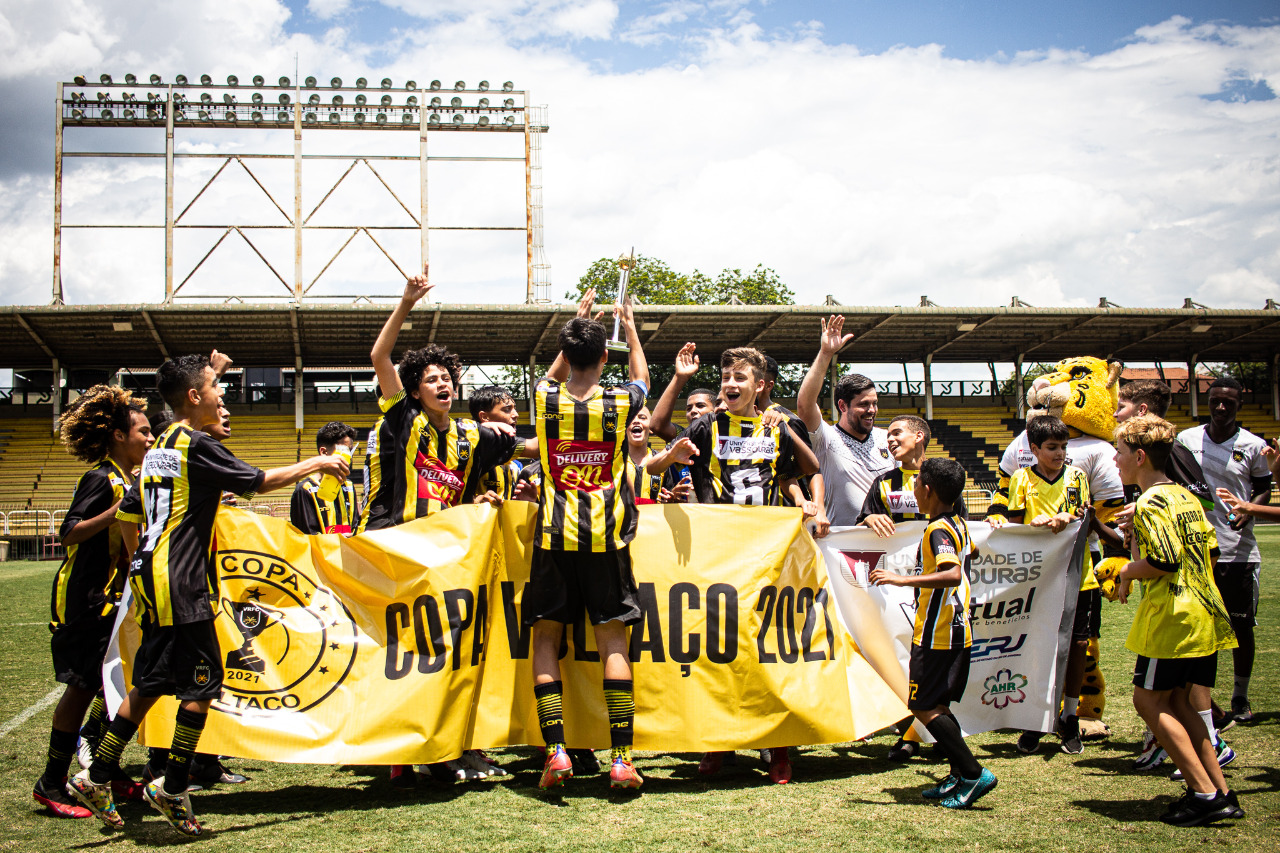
(1024, 583)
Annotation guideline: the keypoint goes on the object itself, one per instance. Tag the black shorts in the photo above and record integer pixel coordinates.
(1169, 673)
(1088, 622)
(1238, 585)
(562, 583)
(183, 661)
(78, 648)
(938, 677)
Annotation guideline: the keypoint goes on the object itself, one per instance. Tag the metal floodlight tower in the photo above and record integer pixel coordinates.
(182, 104)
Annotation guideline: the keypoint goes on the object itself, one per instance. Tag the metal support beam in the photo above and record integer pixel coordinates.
(155, 334)
(424, 240)
(57, 203)
(767, 326)
(551, 324)
(1193, 385)
(530, 296)
(297, 194)
(22, 321)
(57, 394)
(928, 387)
(435, 325)
(168, 198)
(1017, 385)
(297, 398)
(533, 383)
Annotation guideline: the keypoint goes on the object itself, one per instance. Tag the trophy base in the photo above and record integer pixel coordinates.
(617, 346)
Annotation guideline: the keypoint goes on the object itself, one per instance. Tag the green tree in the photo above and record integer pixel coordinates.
(1253, 375)
(653, 282)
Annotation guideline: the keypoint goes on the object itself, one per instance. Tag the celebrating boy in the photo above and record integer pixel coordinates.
(308, 510)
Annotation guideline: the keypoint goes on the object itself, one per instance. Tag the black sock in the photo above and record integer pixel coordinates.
(945, 730)
(96, 725)
(157, 758)
(107, 757)
(619, 697)
(186, 736)
(550, 699)
(62, 745)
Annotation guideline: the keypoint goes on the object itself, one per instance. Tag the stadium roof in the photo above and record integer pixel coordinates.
(257, 335)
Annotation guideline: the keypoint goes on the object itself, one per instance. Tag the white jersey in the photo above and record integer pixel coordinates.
(1231, 465)
(849, 467)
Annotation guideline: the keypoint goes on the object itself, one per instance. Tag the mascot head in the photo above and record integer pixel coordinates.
(1083, 391)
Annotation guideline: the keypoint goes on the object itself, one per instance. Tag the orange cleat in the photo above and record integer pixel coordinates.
(623, 774)
(558, 768)
(780, 765)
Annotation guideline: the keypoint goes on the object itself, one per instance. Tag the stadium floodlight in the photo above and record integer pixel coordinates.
(509, 121)
(76, 97)
(105, 79)
(435, 85)
(206, 98)
(155, 80)
(228, 99)
(484, 85)
(483, 121)
(283, 115)
(310, 118)
(203, 115)
(284, 99)
(361, 100)
(411, 86)
(382, 118)
(435, 118)
(335, 118)
(484, 102)
(412, 100)
(79, 80)
(386, 82)
(310, 82)
(335, 83)
(206, 80)
(128, 97)
(257, 98)
(179, 115)
(361, 82)
(459, 86)
(233, 80)
(181, 79)
(258, 80)
(509, 103)
(406, 119)
(386, 100)
(435, 102)
(314, 99)
(230, 116)
(103, 96)
(359, 118)
(456, 103)
(256, 116)
(458, 119)
(508, 86)
(77, 114)
(129, 114)
(130, 80)
(337, 100)
(284, 82)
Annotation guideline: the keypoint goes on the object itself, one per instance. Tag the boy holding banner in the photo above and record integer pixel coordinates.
(942, 639)
(309, 511)
(1181, 623)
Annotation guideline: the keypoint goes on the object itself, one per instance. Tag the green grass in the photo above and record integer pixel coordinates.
(844, 796)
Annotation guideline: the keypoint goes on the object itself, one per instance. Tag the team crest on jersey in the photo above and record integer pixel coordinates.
(1073, 496)
(609, 421)
(202, 674)
(1237, 456)
(884, 453)
(291, 643)
(464, 448)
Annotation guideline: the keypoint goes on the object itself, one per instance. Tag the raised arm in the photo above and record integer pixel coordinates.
(559, 370)
(278, 478)
(637, 364)
(687, 365)
(832, 341)
(681, 452)
(388, 380)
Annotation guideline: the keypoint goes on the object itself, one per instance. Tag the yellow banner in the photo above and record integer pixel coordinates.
(406, 645)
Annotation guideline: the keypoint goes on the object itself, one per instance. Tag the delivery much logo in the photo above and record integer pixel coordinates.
(1004, 688)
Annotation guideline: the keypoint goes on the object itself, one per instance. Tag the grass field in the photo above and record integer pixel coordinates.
(844, 796)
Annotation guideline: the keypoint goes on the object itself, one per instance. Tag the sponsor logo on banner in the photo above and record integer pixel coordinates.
(903, 502)
(162, 462)
(582, 465)
(986, 647)
(746, 447)
(857, 566)
(291, 642)
(436, 481)
(1004, 688)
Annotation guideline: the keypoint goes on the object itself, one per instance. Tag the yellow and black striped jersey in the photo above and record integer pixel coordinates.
(180, 488)
(413, 469)
(893, 494)
(587, 503)
(739, 461)
(942, 614)
(1031, 495)
(646, 486)
(310, 514)
(92, 574)
(501, 480)
(1181, 614)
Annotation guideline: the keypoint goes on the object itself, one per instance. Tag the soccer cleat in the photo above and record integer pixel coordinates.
(1226, 755)
(126, 790)
(1241, 711)
(1237, 813)
(1152, 755)
(711, 763)
(623, 774)
(1193, 811)
(780, 765)
(480, 764)
(96, 798)
(84, 752)
(969, 791)
(942, 789)
(558, 768)
(402, 776)
(55, 799)
(174, 808)
(1222, 720)
(212, 772)
(1029, 742)
(903, 750)
(1069, 731)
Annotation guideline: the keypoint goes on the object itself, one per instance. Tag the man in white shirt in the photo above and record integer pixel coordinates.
(1231, 458)
(853, 452)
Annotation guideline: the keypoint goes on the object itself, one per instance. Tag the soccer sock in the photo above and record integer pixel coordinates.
(97, 723)
(62, 745)
(157, 758)
(186, 735)
(1207, 716)
(550, 698)
(620, 699)
(1070, 705)
(1241, 687)
(963, 765)
(107, 756)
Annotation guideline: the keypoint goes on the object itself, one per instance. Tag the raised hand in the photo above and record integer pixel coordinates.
(687, 362)
(585, 304)
(219, 361)
(833, 339)
(417, 287)
(683, 451)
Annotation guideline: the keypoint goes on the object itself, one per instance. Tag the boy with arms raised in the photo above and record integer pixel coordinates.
(586, 521)
(940, 645)
(1053, 494)
(1181, 623)
(734, 458)
(308, 510)
(175, 584)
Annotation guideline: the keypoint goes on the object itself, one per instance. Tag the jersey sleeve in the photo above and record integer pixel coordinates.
(1008, 466)
(788, 465)
(495, 448)
(1016, 504)
(208, 462)
(302, 510)
(942, 544)
(699, 432)
(93, 497)
(131, 505)
(1184, 470)
(1158, 543)
(874, 503)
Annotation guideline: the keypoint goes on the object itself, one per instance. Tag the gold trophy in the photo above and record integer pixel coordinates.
(626, 263)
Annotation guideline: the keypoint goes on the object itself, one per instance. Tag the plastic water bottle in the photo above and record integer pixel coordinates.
(329, 484)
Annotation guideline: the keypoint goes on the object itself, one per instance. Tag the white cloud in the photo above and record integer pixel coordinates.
(1055, 176)
(326, 9)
